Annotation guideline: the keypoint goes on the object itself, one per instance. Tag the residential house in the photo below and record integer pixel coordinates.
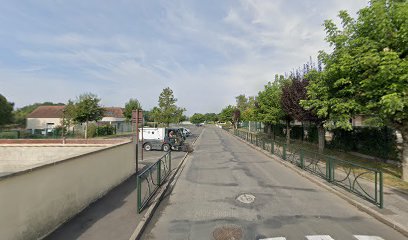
(114, 116)
(45, 118)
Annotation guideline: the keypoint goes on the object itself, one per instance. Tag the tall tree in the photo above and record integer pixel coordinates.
(226, 114)
(87, 109)
(68, 114)
(211, 117)
(241, 102)
(197, 118)
(367, 72)
(6, 111)
(236, 116)
(132, 104)
(246, 106)
(293, 93)
(269, 108)
(167, 112)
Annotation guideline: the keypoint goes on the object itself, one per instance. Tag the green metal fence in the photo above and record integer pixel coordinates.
(362, 181)
(150, 179)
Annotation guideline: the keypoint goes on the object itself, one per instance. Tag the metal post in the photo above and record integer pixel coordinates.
(263, 144)
(137, 143)
(284, 152)
(170, 161)
(139, 194)
(302, 163)
(381, 191)
(273, 147)
(375, 187)
(159, 173)
(327, 169)
(142, 139)
(137, 153)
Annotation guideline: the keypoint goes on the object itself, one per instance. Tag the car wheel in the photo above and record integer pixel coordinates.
(166, 147)
(147, 147)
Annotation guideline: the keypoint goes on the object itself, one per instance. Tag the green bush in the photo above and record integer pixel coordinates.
(377, 142)
(104, 130)
(92, 130)
(9, 135)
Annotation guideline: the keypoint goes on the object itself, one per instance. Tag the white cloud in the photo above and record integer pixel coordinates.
(207, 52)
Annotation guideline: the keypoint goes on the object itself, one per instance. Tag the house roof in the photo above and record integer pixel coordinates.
(115, 112)
(56, 112)
(47, 112)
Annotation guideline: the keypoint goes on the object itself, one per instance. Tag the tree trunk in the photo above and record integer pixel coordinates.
(287, 132)
(404, 155)
(321, 137)
(86, 130)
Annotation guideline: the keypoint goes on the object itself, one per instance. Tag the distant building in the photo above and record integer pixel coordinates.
(114, 116)
(46, 118)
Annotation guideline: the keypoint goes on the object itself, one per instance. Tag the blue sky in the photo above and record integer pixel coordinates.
(208, 52)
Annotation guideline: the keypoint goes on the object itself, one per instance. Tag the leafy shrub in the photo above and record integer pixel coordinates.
(377, 142)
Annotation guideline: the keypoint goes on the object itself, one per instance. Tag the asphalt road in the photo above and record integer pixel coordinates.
(204, 203)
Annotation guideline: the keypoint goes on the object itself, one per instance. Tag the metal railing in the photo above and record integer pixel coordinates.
(150, 179)
(362, 181)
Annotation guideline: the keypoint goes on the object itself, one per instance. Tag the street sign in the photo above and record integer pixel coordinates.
(137, 116)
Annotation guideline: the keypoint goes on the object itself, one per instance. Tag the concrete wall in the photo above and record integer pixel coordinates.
(35, 202)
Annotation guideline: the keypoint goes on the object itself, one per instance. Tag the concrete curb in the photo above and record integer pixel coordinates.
(137, 233)
(318, 181)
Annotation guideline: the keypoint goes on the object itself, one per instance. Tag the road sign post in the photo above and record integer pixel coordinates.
(137, 118)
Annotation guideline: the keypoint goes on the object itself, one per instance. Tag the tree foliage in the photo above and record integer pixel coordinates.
(167, 111)
(226, 114)
(6, 111)
(246, 106)
(86, 108)
(211, 117)
(269, 109)
(197, 118)
(367, 72)
(132, 104)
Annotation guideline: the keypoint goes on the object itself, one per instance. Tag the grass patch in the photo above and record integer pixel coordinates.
(391, 173)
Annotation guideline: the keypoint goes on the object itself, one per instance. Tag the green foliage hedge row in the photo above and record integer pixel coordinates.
(377, 142)
(105, 130)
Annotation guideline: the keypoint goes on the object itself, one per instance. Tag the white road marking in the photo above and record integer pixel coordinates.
(275, 238)
(319, 237)
(364, 237)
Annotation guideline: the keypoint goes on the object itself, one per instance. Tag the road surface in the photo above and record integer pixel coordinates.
(228, 190)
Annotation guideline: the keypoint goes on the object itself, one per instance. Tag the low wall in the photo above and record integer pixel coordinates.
(60, 141)
(35, 202)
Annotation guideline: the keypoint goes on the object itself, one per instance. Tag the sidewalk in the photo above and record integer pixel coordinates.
(394, 213)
